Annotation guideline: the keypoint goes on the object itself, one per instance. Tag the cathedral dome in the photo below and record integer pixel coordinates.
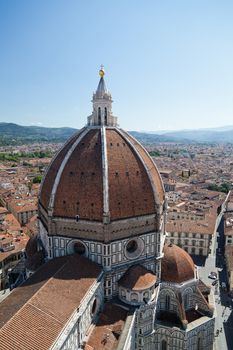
(177, 265)
(102, 174)
(137, 278)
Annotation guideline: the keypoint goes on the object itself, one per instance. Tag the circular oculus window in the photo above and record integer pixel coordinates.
(79, 248)
(134, 248)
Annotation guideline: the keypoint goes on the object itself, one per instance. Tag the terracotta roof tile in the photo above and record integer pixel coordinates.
(48, 180)
(106, 333)
(130, 190)
(157, 181)
(137, 277)
(177, 265)
(45, 302)
(80, 191)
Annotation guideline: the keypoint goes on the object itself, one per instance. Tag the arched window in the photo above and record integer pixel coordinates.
(146, 295)
(105, 116)
(134, 297)
(167, 302)
(199, 343)
(79, 248)
(186, 301)
(99, 115)
(164, 345)
(123, 293)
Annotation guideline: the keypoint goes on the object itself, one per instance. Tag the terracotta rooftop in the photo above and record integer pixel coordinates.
(45, 302)
(18, 247)
(108, 329)
(3, 210)
(23, 205)
(189, 226)
(137, 278)
(81, 185)
(177, 265)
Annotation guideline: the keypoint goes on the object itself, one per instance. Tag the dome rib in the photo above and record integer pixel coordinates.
(177, 265)
(130, 189)
(152, 170)
(105, 172)
(99, 175)
(62, 166)
(51, 171)
(127, 137)
(80, 190)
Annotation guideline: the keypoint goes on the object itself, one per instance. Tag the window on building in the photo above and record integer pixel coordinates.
(194, 235)
(164, 345)
(99, 115)
(199, 343)
(131, 246)
(134, 297)
(79, 248)
(202, 236)
(167, 302)
(123, 293)
(193, 251)
(105, 116)
(200, 251)
(193, 242)
(186, 301)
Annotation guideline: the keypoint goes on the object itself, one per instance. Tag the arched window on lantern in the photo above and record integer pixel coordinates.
(99, 115)
(105, 116)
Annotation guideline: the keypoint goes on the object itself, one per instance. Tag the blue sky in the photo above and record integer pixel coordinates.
(169, 64)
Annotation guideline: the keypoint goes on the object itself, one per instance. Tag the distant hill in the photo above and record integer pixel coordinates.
(216, 135)
(14, 134)
(203, 135)
(148, 138)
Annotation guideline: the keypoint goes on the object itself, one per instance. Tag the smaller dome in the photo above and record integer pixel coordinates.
(177, 265)
(137, 278)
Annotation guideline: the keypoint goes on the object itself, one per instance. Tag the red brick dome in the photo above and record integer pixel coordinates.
(101, 171)
(177, 265)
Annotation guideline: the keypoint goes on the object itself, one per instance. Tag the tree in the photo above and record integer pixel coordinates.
(37, 179)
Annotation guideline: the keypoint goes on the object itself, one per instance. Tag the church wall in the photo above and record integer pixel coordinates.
(199, 337)
(113, 256)
(74, 334)
(107, 255)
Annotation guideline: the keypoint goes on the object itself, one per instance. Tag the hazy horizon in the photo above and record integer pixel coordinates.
(168, 64)
(220, 128)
